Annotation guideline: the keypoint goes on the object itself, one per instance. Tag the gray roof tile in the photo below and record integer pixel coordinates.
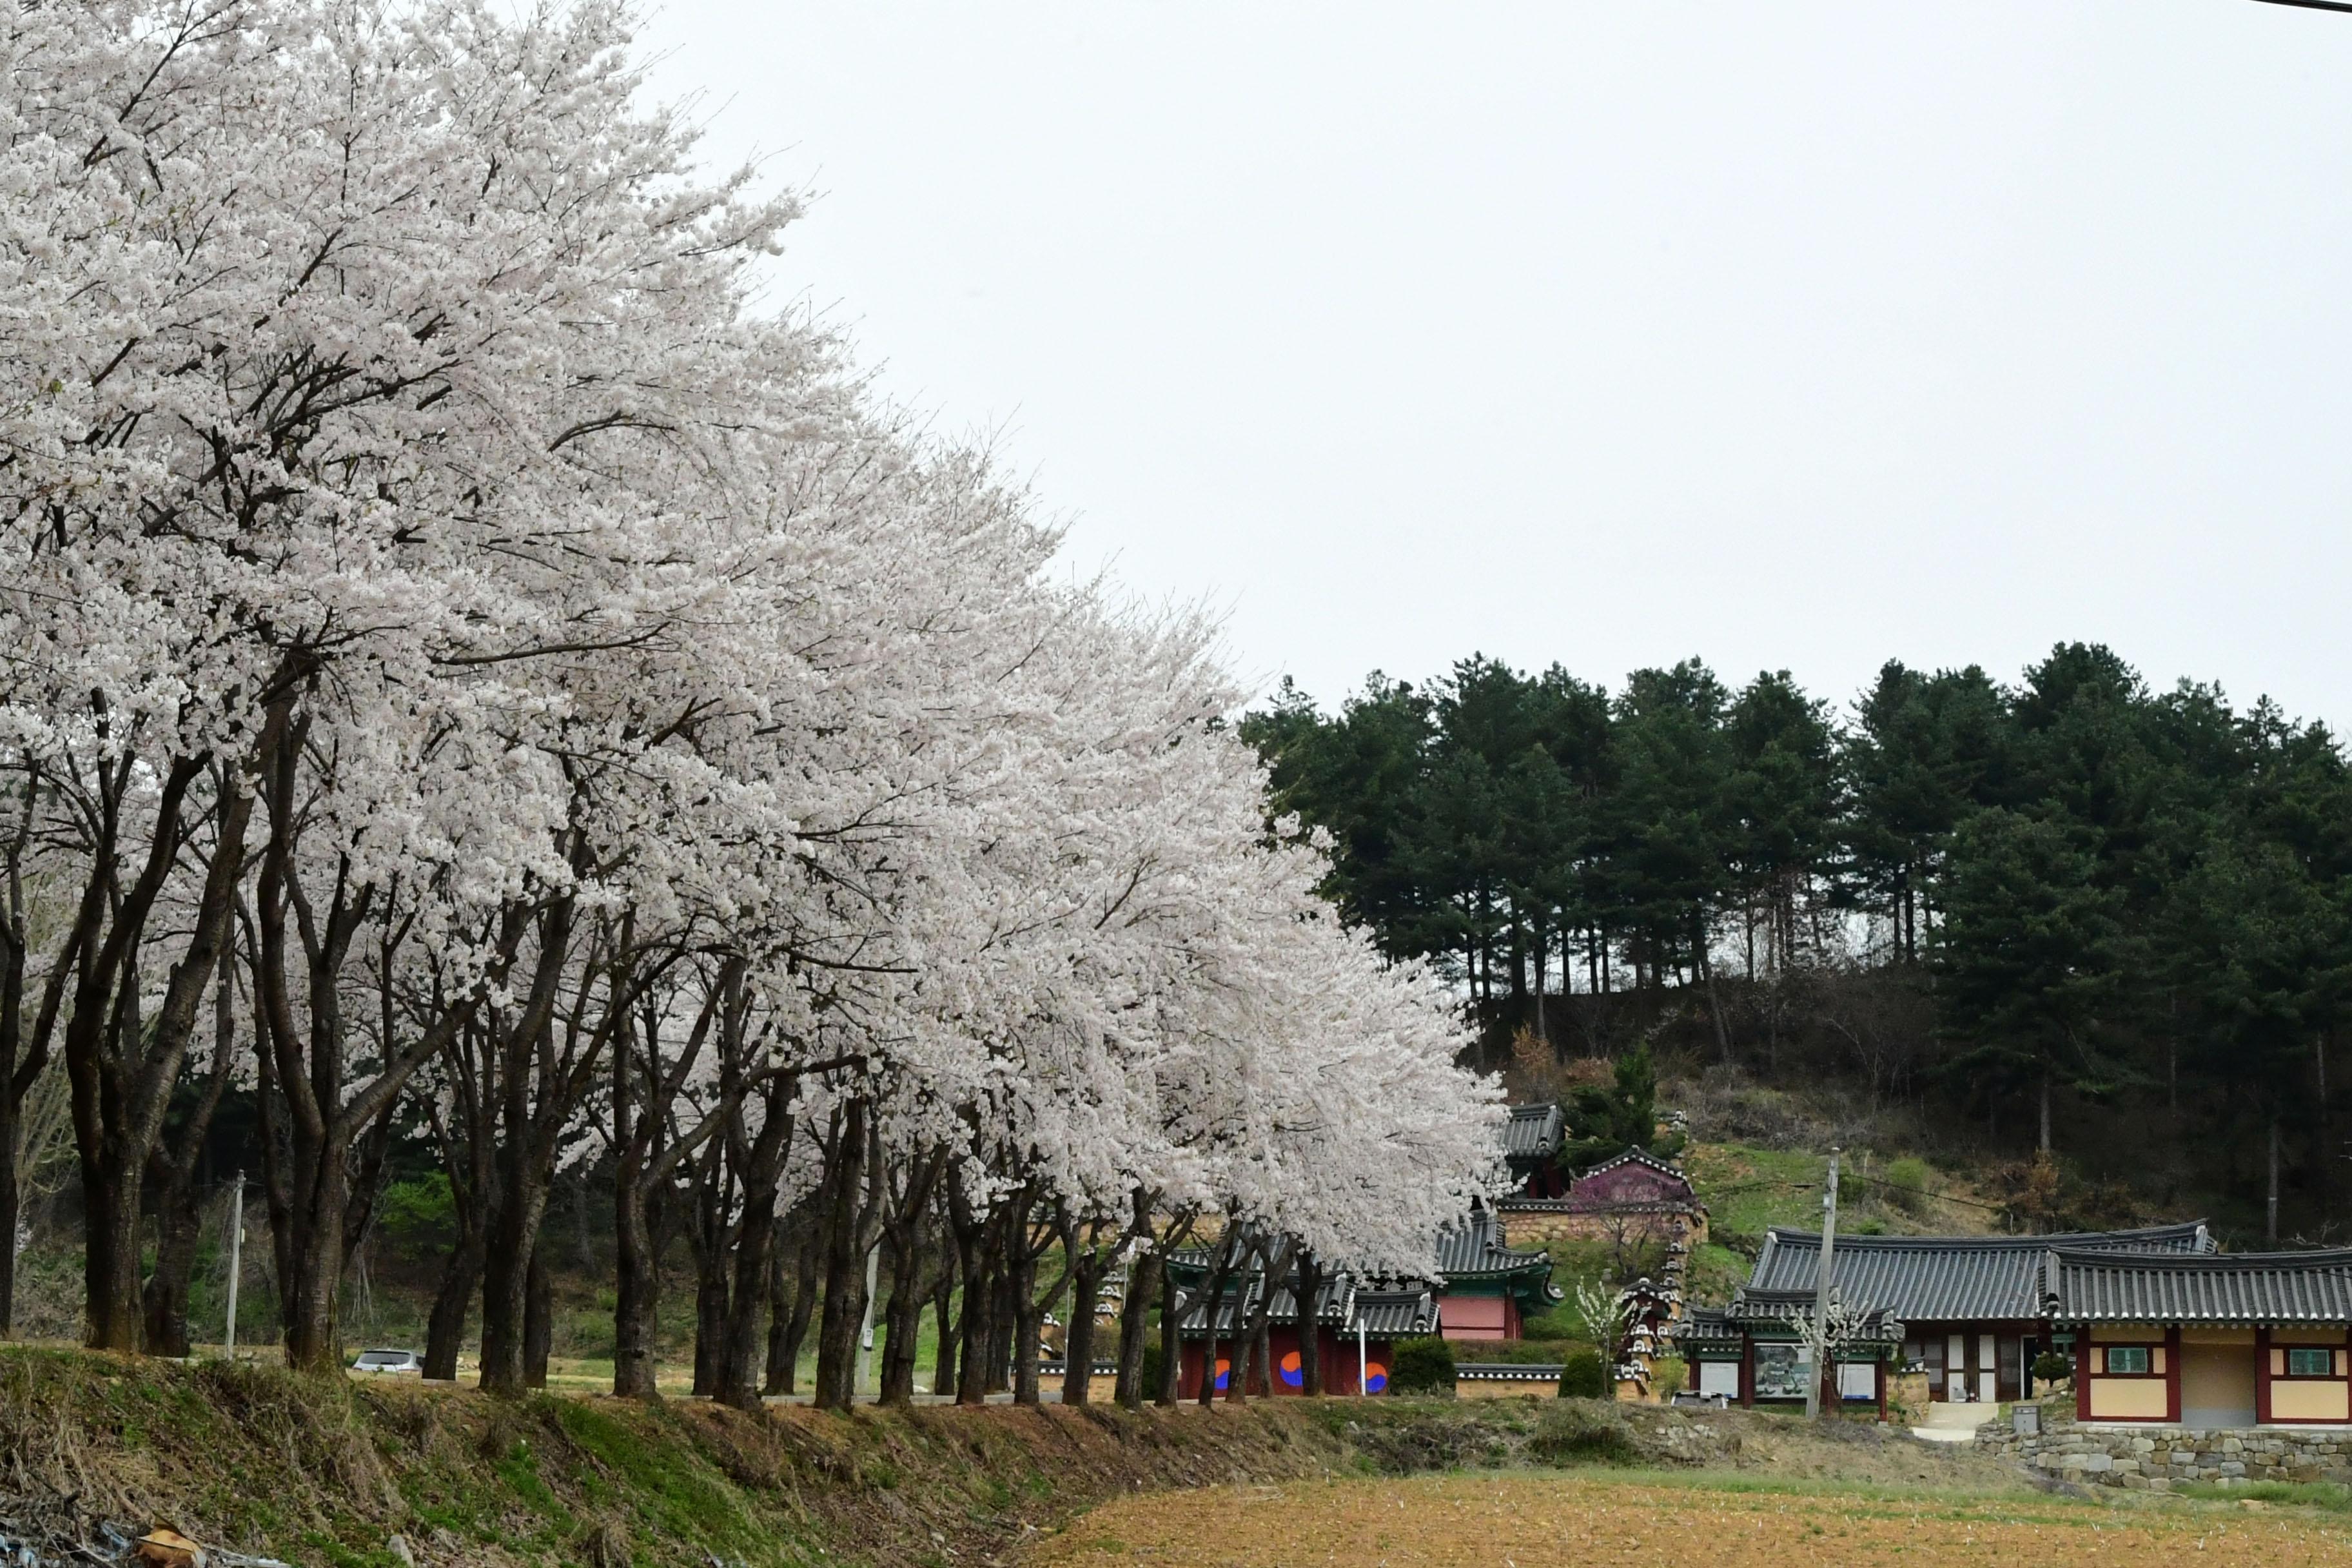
(1475, 1247)
(1533, 1134)
(1944, 1279)
(2086, 1287)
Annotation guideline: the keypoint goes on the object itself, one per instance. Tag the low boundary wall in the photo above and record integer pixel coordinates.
(2142, 1459)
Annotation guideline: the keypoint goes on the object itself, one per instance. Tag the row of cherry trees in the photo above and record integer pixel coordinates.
(467, 666)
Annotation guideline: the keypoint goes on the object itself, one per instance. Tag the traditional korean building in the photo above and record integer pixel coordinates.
(2205, 1340)
(1356, 1325)
(1485, 1291)
(1754, 1352)
(1531, 1141)
(1636, 1196)
(1973, 1310)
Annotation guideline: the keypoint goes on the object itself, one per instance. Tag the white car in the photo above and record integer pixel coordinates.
(395, 1364)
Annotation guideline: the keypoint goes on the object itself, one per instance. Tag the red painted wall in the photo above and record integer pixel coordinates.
(1338, 1362)
(1478, 1317)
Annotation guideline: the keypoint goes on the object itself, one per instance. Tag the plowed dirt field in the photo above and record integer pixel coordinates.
(1538, 1521)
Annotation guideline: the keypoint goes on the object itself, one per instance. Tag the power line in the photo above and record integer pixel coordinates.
(2312, 4)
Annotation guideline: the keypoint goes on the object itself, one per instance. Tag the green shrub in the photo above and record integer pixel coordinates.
(2052, 1366)
(1667, 1375)
(1152, 1365)
(1524, 1352)
(1584, 1429)
(1557, 1324)
(1583, 1377)
(1422, 1366)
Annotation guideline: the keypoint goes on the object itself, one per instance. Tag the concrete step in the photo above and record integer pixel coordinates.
(1954, 1423)
(1967, 1417)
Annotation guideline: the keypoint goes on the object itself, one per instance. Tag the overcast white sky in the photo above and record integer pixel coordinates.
(1798, 336)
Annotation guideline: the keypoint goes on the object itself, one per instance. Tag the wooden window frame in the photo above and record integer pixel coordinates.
(2328, 1353)
(2146, 1348)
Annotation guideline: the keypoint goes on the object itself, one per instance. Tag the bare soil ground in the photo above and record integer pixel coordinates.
(1532, 1520)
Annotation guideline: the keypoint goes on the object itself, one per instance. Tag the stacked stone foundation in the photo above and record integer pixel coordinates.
(2159, 1458)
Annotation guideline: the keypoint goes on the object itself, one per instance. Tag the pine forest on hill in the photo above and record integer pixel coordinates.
(2084, 939)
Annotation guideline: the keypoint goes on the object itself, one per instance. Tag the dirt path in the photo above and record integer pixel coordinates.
(1538, 1521)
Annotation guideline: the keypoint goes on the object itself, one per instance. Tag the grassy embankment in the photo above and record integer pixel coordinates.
(327, 1472)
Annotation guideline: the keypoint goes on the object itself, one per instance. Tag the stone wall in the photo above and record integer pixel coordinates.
(2153, 1460)
(1526, 1227)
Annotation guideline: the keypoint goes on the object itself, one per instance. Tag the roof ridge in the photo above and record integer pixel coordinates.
(2308, 1257)
(2043, 1240)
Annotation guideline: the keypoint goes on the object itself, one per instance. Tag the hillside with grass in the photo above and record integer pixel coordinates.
(328, 1474)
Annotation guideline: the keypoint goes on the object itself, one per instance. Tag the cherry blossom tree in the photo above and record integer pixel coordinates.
(449, 613)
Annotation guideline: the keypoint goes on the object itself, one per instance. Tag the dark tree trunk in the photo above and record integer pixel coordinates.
(164, 1300)
(506, 1276)
(741, 1360)
(21, 1061)
(784, 1356)
(781, 1257)
(709, 1322)
(113, 1317)
(172, 1172)
(1134, 1325)
(971, 1234)
(944, 1373)
(638, 1296)
(853, 1232)
(903, 1318)
(906, 1228)
(1028, 1311)
(538, 1320)
(445, 1330)
(1213, 1298)
(1078, 1345)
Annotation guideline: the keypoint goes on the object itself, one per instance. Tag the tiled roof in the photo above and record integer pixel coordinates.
(1752, 1305)
(1333, 1296)
(1635, 1181)
(1532, 1135)
(1394, 1314)
(1387, 1309)
(1505, 1371)
(1474, 1248)
(1707, 1325)
(2087, 1287)
(1940, 1278)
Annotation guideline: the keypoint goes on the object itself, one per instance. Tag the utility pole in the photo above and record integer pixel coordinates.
(1820, 1329)
(235, 1260)
(1362, 1359)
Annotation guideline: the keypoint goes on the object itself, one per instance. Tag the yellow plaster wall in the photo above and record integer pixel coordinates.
(1478, 1388)
(2127, 1399)
(2130, 1333)
(2211, 1335)
(2313, 1401)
